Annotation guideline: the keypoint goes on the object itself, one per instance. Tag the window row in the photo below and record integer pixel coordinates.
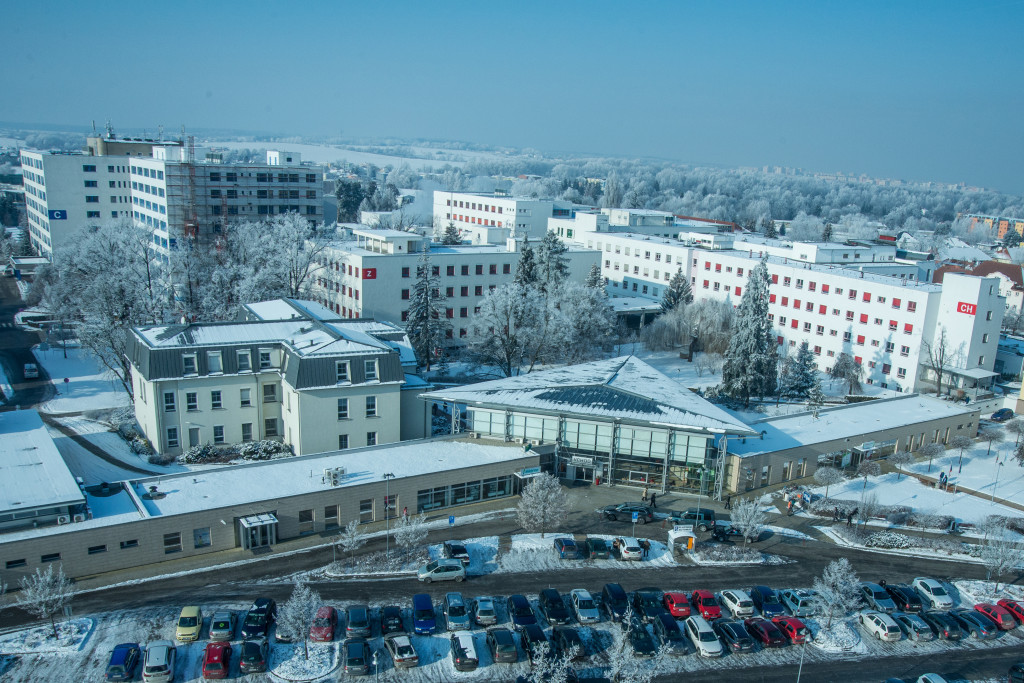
(173, 434)
(460, 494)
(478, 269)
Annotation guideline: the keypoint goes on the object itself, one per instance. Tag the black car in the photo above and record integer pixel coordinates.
(943, 625)
(614, 601)
(534, 641)
(455, 551)
(596, 549)
(640, 640)
(502, 645)
(253, 657)
(520, 612)
(391, 620)
(669, 635)
(905, 597)
(733, 635)
(564, 639)
(702, 519)
(1016, 673)
(647, 604)
(624, 511)
(553, 607)
(258, 619)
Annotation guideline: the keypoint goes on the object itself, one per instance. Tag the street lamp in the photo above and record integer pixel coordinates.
(700, 486)
(388, 476)
(999, 467)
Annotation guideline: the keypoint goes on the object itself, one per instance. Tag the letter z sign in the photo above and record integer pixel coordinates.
(371, 274)
(969, 309)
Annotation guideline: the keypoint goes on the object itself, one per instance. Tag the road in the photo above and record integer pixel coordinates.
(15, 351)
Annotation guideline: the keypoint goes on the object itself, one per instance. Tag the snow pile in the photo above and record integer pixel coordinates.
(483, 553)
(91, 386)
(887, 539)
(375, 563)
(72, 635)
(841, 637)
(973, 592)
(288, 661)
(789, 533)
(531, 553)
(719, 554)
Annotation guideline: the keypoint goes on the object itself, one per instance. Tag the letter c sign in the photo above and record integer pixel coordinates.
(969, 309)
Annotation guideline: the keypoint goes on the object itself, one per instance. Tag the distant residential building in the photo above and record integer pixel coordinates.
(645, 222)
(484, 218)
(1011, 278)
(997, 226)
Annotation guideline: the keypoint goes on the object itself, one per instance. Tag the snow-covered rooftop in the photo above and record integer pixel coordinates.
(855, 420)
(305, 337)
(624, 388)
(625, 304)
(32, 471)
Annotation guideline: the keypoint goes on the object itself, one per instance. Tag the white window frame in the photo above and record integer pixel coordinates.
(215, 359)
(343, 413)
(371, 406)
(173, 437)
(248, 361)
(185, 359)
(245, 397)
(341, 372)
(370, 370)
(173, 404)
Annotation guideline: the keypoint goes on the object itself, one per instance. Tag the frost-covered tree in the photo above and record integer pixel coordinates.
(526, 269)
(547, 667)
(1000, 554)
(837, 591)
(668, 331)
(352, 538)
(427, 324)
(677, 293)
(544, 504)
(516, 327)
(1015, 427)
(44, 594)
(749, 518)
(750, 367)
(768, 228)
(295, 615)
(901, 459)
(802, 373)
(961, 443)
(451, 235)
(828, 476)
(589, 321)
(868, 468)
(410, 532)
(350, 194)
(805, 228)
(846, 369)
(931, 451)
(552, 262)
(595, 280)
(826, 233)
(868, 508)
(712, 322)
(1011, 239)
(816, 397)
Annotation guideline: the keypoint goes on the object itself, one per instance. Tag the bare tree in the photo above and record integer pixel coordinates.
(828, 476)
(961, 443)
(44, 594)
(901, 459)
(931, 451)
(352, 538)
(295, 616)
(989, 437)
(939, 356)
(837, 590)
(544, 504)
(868, 468)
(410, 532)
(749, 518)
(1015, 427)
(1001, 554)
(867, 509)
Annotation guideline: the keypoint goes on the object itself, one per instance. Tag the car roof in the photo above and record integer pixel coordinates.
(699, 621)
(614, 588)
(400, 638)
(581, 592)
(518, 598)
(704, 593)
(551, 593)
(357, 608)
(666, 617)
(503, 634)
(324, 611)
(190, 611)
(158, 652)
(390, 610)
(629, 540)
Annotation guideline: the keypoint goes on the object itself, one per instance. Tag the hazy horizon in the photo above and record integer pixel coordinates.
(918, 91)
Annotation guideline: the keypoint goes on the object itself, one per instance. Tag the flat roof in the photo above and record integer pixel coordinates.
(32, 471)
(304, 336)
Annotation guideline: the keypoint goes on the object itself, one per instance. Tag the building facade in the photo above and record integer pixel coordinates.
(492, 218)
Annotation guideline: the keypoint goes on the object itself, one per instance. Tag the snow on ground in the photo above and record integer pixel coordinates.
(531, 553)
(288, 660)
(71, 637)
(979, 470)
(791, 533)
(483, 554)
(842, 636)
(91, 386)
(725, 554)
(929, 553)
(6, 390)
(82, 463)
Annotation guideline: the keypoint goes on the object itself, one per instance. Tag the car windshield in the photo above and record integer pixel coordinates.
(485, 611)
(219, 625)
(456, 611)
(632, 548)
(187, 622)
(881, 595)
(115, 669)
(214, 666)
(431, 566)
(404, 649)
(157, 669)
(708, 601)
(585, 604)
(254, 618)
(937, 590)
(321, 622)
(355, 660)
(707, 636)
(770, 599)
(745, 603)
(250, 650)
(521, 610)
(357, 618)
(424, 614)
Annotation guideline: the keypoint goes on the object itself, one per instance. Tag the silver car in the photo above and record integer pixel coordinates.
(442, 570)
(456, 615)
(222, 626)
(584, 606)
(484, 613)
(913, 626)
(876, 597)
(799, 602)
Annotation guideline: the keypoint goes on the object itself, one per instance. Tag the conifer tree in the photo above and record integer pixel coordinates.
(750, 366)
(594, 279)
(552, 263)
(768, 225)
(451, 235)
(677, 292)
(802, 375)
(826, 234)
(526, 269)
(427, 324)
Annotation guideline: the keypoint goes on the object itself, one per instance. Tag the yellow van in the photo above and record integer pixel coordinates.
(190, 623)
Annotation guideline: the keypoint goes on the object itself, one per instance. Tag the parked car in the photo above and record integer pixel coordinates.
(705, 603)
(677, 604)
(1001, 616)
(669, 635)
(502, 645)
(222, 626)
(793, 629)
(876, 597)
(123, 660)
(391, 620)
(456, 615)
(799, 602)
(614, 601)
(442, 570)
(596, 549)
(158, 667)
(933, 593)
(1014, 607)
(216, 661)
(452, 550)
(767, 601)
(423, 620)
(624, 511)
(765, 632)
(733, 635)
(190, 623)
(553, 607)
(737, 603)
(905, 597)
(640, 640)
(724, 531)
(520, 612)
(253, 655)
(703, 637)
(258, 619)
(355, 656)
(324, 622)
(627, 548)
(533, 639)
(464, 655)
(647, 604)
(565, 639)
(357, 621)
(1016, 673)
(566, 549)
(944, 626)
(584, 605)
(483, 611)
(975, 623)
(399, 646)
(930, 678)
(1001, 415)
(31, 371)
(703, 519)
(913, 626)
(881, 626)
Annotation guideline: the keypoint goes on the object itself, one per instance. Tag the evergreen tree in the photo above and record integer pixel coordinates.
(750, 363)
(768, 225)
(1011, 239)
(848, 370)
(815, 397)
(677, 292)
(526, 269)
(594, 279)
(552, 263)
(802, 374)
(350, 194)
(451, 235)
(427, 324)
(25, 244)
(826, 234)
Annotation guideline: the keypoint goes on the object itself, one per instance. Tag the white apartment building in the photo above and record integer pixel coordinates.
(174, 197)
(883, 322)
(484, 218)
(290, 371)
(644, 222)
(374, 274)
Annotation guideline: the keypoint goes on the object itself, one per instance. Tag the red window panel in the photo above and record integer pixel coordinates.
(739, 272)
(718, 267)
(775, 281)
(864, 318)
(896, 303)
(911, 306)
(707, 265)
(796, 303)
(739, 291)
(785, 301)
(886, 368)
(779, 340)
(908, 328)
(893, 325)
(866, 297)
(817, 350)
(794, 324)
(822, 309)
(357, 295)
(858, 360)
(824, 289)
(449, 312)
(860, 340)
(705, 284)
(812, 286)
(771, 298)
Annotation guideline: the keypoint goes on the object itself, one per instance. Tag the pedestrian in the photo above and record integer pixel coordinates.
(881, 582)
(849, 518)
(644, 497)
(654, 499)
(835, 514)
(646, 545)
(728, 502)
(789, 507)
(405, 512)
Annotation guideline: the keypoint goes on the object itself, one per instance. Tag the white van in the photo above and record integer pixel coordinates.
(31, 371)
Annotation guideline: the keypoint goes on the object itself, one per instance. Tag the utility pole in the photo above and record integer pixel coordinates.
(388, 476)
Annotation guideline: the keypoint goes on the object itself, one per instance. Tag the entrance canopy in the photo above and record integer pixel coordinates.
(253, 521)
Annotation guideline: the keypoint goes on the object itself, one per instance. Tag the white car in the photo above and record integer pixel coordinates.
(158, 666)
(629, 548)
(584, 606)
(799, 602)
(931, 678)
(703, 637)
(881, 626)
(933, 593)
(738, 603)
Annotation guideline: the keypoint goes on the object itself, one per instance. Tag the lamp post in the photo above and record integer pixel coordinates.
(999, 467)
(388, 476)
(700, 487)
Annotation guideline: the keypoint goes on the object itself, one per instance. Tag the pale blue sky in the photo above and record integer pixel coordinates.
(917, 90)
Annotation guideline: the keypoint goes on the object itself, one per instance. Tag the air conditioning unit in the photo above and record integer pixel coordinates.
(63, 519)
(79, 517)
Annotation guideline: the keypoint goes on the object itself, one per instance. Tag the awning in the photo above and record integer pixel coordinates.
(264, 519)
(973, 373)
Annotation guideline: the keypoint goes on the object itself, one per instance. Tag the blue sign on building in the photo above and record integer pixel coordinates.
(451, 520)
(57, 214)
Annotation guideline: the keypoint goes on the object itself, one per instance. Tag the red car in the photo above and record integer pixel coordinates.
(216, 660)
(677, 605)
(999, 614)
(705, 603)
(793, 629)
(765, 631)
(324, 623)
(1013, 607)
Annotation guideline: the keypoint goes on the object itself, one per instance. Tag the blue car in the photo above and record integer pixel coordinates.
(123, 661)
(767, 600)
(423, 620)
(1002, 415)
(520, 611)
(567, 549)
